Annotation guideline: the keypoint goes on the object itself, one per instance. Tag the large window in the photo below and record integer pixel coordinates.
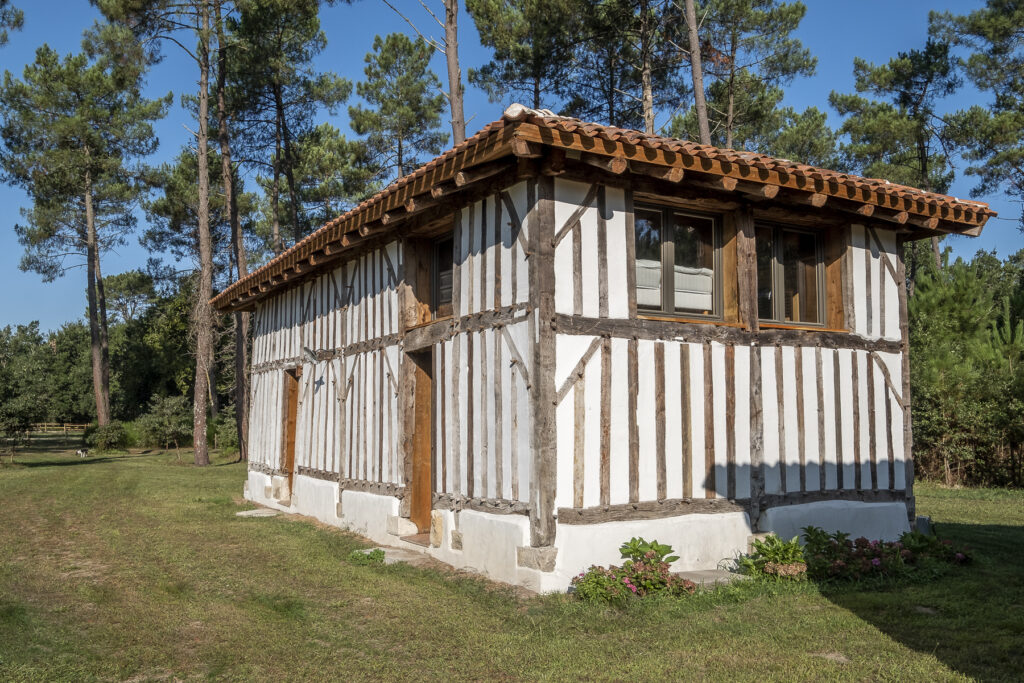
(677, 262)
(444, 264)
(790, 276)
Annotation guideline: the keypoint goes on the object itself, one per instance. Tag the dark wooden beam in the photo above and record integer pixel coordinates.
(526, 149)
(478, 173)
(672, 174)
(614, 165)
(554, 162)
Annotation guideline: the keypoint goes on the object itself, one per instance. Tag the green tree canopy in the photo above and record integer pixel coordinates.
(991, 136)
(401, 124)
(11, 19)
(72, 131)
(532, 43)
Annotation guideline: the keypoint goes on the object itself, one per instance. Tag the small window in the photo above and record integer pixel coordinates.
(444, 263)
(790, 273)
(676, 262)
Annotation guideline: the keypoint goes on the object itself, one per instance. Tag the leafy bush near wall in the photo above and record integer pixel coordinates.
(773, 557)
(645, 572)
(834, 557)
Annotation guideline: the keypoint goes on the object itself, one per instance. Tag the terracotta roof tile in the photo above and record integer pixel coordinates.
(517, 114)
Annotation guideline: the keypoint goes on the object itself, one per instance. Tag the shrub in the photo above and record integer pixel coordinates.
(169, 421)
(225, 432)
(835, 556)
(367, 558)
(108, 437)
(776, 558)
(645, 572)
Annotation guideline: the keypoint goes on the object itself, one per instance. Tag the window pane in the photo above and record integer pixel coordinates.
(765, 250)
(799, 263)
(694, 252)
(648, 259)
(443, 285)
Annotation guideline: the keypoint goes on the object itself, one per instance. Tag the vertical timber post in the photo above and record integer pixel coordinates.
(542, 299)
(746, 272)
(908, 428)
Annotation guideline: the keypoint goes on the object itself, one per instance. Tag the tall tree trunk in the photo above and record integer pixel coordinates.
(202, 313)
(289, 162)
(275, 201)
(647, 96)
(698, 77)
(237, 243)
(97, 323)
(451, 54)
(400, 159)
(730, 112)
(926, 185)
(646, 67)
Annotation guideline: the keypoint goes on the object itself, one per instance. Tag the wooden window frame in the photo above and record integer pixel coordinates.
(435, 279)
(778, 281)
(667, 310)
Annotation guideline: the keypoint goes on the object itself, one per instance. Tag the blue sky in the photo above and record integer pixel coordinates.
(835, 31)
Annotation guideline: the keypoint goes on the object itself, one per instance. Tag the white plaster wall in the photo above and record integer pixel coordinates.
(875, 521)
(316, 498)
(367, 515)
(701, 542)
(489, 543)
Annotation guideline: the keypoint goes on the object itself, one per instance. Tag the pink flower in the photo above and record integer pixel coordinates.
(877, 562)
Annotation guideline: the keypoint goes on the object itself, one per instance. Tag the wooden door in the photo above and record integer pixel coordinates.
(420, 502)
(291, 413)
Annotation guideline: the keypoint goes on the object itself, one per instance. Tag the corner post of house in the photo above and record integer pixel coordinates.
(908, 429)
(406, 375)
(746, 288)
(542, 301)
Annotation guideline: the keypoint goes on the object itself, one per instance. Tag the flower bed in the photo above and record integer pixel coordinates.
(834, 557)
(645, 572)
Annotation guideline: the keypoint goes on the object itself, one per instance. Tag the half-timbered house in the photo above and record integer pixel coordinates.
(558, 335)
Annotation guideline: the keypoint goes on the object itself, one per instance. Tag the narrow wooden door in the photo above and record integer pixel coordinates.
(291, 413)
(420, 502)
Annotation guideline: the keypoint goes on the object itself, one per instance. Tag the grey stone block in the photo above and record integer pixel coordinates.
(436, 528)
(541, 559)
(400, 526)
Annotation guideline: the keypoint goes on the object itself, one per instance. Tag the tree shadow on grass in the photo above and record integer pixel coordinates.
(72, 461)
(971, 618)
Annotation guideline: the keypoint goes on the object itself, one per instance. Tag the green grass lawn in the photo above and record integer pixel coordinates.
(136, 567)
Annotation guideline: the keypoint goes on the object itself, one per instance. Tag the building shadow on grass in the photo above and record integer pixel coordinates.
(971, 618)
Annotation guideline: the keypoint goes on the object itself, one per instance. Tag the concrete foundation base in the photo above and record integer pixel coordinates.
(498, 545)
(875, 521)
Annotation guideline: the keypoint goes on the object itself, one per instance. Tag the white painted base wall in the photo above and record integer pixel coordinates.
(490, 541)
(875, 521)
(700, 541)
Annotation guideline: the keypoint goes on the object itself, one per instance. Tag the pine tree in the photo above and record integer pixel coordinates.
(604, 84)
(155, 22)
(901, 136)
(70, 129)
(402, 124)
(11, 19)
(532, 43)
(748, 53)
(991, 135)
(277, 92)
